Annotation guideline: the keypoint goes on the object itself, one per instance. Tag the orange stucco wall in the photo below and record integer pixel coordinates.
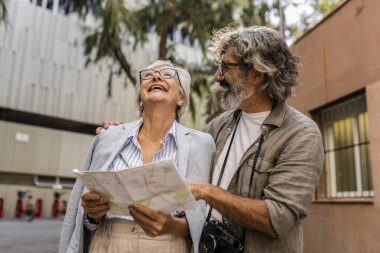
(340, 56)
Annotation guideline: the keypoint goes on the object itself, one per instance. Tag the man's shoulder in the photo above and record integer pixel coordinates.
(225, 116)
(215, 124)
(295, 117)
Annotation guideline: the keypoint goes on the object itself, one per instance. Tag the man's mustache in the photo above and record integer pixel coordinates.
(225, 84)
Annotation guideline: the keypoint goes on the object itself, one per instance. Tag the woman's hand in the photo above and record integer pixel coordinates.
(106, 124)
(155, 223)
(95, 206)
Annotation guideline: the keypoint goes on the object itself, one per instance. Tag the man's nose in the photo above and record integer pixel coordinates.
(218, 76)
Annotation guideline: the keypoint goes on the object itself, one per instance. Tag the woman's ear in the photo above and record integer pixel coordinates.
(181, 101)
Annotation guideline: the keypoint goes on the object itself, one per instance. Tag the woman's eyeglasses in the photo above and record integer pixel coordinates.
(148, 74)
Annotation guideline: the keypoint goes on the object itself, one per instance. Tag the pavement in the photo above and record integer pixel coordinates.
(38, 236)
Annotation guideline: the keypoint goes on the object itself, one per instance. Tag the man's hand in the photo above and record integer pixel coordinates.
(106, 124)
(247, 212)
(95, 206)
(155, 223)
(197, 187)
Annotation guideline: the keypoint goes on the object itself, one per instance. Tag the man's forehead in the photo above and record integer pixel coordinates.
(230, 55)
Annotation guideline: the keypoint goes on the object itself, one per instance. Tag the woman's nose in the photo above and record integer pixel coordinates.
(157, 76)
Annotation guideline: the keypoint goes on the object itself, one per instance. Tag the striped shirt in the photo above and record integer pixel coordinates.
(131, 156)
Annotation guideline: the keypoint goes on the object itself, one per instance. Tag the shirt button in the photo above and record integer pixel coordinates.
(134, 230)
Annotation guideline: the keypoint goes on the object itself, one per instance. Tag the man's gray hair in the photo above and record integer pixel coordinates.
(184, 81)
(264, 50)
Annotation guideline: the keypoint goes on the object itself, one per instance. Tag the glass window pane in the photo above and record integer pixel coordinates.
(348, 134)
(366, 168)
(363, 127)
(345, 170)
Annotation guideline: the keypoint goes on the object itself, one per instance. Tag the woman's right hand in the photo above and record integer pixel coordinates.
(106, 124)
(95, 206)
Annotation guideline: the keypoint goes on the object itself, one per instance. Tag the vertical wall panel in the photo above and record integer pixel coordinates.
(3, 31)
(7, 61)
(20, 155)
(46, 152)
(3, 128)
(73, 149)
(13, 85)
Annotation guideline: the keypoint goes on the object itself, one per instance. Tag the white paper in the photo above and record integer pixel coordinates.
(156, 185)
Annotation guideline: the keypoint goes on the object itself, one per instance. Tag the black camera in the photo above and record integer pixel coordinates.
(218, 239)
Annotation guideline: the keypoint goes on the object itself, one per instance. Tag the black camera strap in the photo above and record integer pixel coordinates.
(253, 172)
(224, 164)
(255, 162)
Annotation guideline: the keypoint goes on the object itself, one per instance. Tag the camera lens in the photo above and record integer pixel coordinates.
(209, 244)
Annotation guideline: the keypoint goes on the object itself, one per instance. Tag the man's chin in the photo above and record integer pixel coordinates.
(228, 102)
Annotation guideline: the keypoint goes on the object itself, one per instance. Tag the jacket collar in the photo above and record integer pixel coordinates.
(277, 115)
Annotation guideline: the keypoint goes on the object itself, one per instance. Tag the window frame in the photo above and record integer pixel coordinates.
(327, 189)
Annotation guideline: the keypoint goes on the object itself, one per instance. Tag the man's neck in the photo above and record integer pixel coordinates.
(256, 103)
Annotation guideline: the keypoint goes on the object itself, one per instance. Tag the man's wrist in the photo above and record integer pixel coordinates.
(92, 224)
(94, 221)
(204, 191)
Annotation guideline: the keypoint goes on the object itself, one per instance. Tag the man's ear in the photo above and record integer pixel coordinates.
(257, 77)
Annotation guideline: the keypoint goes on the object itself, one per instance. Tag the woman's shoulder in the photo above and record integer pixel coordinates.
(193, 132)
(114, 132)
(200, 138)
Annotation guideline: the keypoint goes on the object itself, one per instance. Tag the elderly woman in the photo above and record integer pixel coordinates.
(162, 98)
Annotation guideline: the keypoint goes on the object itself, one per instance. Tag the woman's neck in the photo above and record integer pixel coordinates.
(157, 123)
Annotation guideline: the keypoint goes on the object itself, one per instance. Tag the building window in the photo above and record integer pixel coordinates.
(347, 168)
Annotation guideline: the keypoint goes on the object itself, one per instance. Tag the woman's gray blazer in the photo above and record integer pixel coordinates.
(195, 151)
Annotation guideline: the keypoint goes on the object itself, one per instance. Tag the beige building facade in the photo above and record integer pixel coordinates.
(340, 89)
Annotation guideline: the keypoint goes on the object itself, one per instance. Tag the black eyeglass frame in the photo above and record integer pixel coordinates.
(223, 65)
(159, 72)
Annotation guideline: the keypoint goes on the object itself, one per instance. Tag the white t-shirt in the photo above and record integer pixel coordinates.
(247, 132)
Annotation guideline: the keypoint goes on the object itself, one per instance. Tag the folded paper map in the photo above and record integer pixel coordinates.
(156, 185)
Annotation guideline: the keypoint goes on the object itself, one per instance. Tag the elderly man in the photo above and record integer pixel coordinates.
(268, 156)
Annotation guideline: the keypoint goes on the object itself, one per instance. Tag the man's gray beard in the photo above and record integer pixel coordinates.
(236, 94)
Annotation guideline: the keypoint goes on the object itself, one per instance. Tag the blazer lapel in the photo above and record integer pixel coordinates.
(122, 136)
(183, 144)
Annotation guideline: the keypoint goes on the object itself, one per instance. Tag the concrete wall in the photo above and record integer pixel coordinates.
(46, 152)
(338, 57)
